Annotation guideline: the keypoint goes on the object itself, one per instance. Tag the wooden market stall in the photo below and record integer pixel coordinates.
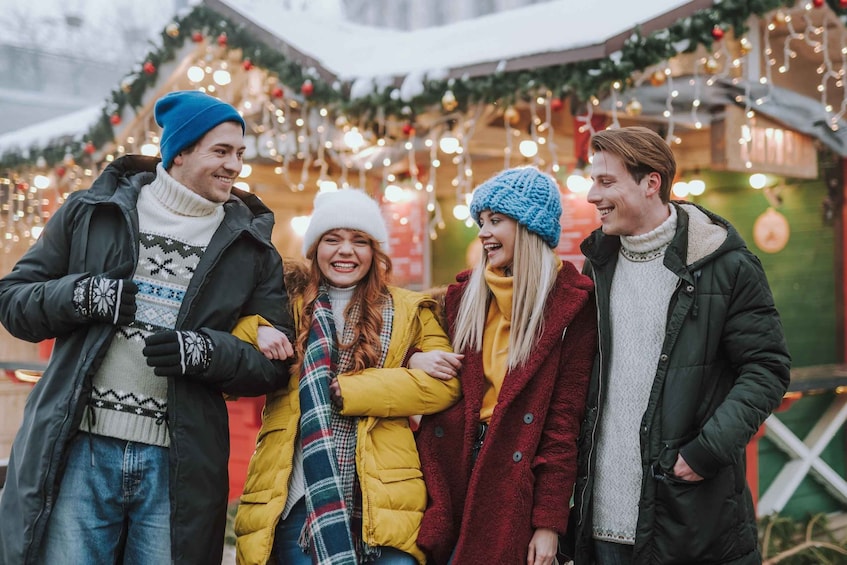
(419, 118)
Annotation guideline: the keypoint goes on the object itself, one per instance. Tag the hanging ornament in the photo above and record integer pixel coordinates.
(779, 18)
(60, 171)
(197, 37)
(247, 64)
(745, 46)
(149, 68)
(89, 148)
(818, 3)
(717, 33)
(658, 78)
(277, 92)
(222, 39)
(408, 129)
(341, 121)
(556, 104)
(172, 29)
(115, 119)
(842, 4)
(711, 65)
(126, 84)
(634, 108)
(511, 115)
(307, 89)
(448, 101)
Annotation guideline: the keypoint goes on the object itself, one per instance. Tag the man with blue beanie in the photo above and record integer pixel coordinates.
(122, 455)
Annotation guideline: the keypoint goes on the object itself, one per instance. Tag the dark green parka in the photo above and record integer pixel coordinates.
(96, 231)
(723, 369)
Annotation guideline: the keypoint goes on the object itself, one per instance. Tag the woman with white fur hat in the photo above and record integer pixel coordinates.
(336, 476)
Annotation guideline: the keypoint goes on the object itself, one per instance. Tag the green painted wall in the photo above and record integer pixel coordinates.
(802, 279)
(802, 275)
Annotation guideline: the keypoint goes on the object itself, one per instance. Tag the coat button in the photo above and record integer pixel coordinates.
(517, 456)
(528, 418)
(663, 357)
(439, 431)
(689, 288)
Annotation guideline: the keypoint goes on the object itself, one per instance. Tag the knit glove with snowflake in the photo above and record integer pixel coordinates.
(176, 353)
(102, 299)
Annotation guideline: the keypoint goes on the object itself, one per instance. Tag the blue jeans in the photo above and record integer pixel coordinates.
(610, 553)
(288, 551)
(113, 500)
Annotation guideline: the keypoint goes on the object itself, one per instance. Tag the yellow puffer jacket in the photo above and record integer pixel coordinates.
(393, 491)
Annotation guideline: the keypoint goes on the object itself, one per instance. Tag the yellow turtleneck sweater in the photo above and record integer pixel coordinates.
(495, 339)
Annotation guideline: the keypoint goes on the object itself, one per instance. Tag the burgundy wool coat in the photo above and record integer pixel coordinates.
(524, 476)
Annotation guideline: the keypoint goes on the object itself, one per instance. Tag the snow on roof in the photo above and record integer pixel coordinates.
(72, 125)
(352, 51)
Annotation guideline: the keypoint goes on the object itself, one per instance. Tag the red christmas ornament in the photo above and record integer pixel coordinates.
(818, 3)
(197, 37)
(149, 68)
(717, 33)
(842, 4)
(89, 148)
(247, 64)
(556, 104)
(408, 129)
(308, 88)
(277, 92)
(222, 39)
(60, 171)
(115, 119)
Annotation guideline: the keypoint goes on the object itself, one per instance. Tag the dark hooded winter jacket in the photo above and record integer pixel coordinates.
(94, 232)
(723, 369)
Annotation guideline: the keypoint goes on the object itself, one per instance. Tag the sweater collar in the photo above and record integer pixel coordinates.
(178, 198)
(651, 245)
(501, 287)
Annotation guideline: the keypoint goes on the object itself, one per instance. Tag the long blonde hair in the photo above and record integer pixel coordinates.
(534, 268)
(370, 294)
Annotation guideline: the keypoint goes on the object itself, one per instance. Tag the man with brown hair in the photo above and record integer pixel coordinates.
(692, 361)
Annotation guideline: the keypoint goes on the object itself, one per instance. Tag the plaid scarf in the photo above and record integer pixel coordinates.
(333, 499)
(327, 530)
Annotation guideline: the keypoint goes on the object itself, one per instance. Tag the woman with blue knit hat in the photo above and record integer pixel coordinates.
(500, 465)
(336, 478)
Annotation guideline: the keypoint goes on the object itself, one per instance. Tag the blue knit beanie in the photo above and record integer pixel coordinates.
(525, 194)
(185, 116)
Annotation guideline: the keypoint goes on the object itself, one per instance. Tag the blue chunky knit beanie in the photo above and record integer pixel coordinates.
(185, 116)
(525, 194)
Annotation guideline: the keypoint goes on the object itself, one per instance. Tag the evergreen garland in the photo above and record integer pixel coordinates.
(579, 80)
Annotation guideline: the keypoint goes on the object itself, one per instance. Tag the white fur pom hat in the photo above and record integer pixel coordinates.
(347, 208)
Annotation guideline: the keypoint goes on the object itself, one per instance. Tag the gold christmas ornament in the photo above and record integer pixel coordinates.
(126, 85)
(658, 78)
(341, 121)
(745, 46)
(634, 108)
(448, 101)
(711, 66)
(511, 115)
(172, 29)
(779, 18)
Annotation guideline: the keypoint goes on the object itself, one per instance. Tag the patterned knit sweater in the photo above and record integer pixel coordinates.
(641, 289)
(128, 401)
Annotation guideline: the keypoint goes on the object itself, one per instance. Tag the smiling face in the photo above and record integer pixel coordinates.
(344, 257)
(210, 168)
(626, 206)
(497, 234)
